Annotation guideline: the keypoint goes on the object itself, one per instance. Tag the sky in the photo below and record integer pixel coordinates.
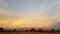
(29, 13)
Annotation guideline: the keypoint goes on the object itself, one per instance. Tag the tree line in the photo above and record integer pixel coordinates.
(31, 30)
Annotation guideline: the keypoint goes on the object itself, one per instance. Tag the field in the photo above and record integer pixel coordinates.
(29, 32)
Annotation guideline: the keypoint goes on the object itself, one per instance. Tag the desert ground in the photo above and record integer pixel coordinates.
(29, 32)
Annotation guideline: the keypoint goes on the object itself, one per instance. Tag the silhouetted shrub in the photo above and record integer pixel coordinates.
(27, 30)
(46, 30)
(39, 30)
(5, 30)
(9, 30)
(33, 30)
(58, 30)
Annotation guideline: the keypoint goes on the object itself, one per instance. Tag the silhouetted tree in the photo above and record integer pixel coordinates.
(14, 30)
(33, 30)
(53, 30)
(1, 29)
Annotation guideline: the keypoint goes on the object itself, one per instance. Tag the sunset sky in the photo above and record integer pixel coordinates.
(29, 13)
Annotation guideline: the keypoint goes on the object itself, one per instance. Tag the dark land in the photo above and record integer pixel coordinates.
(31, 31)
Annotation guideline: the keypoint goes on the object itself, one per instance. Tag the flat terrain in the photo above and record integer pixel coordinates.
(29, 32)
